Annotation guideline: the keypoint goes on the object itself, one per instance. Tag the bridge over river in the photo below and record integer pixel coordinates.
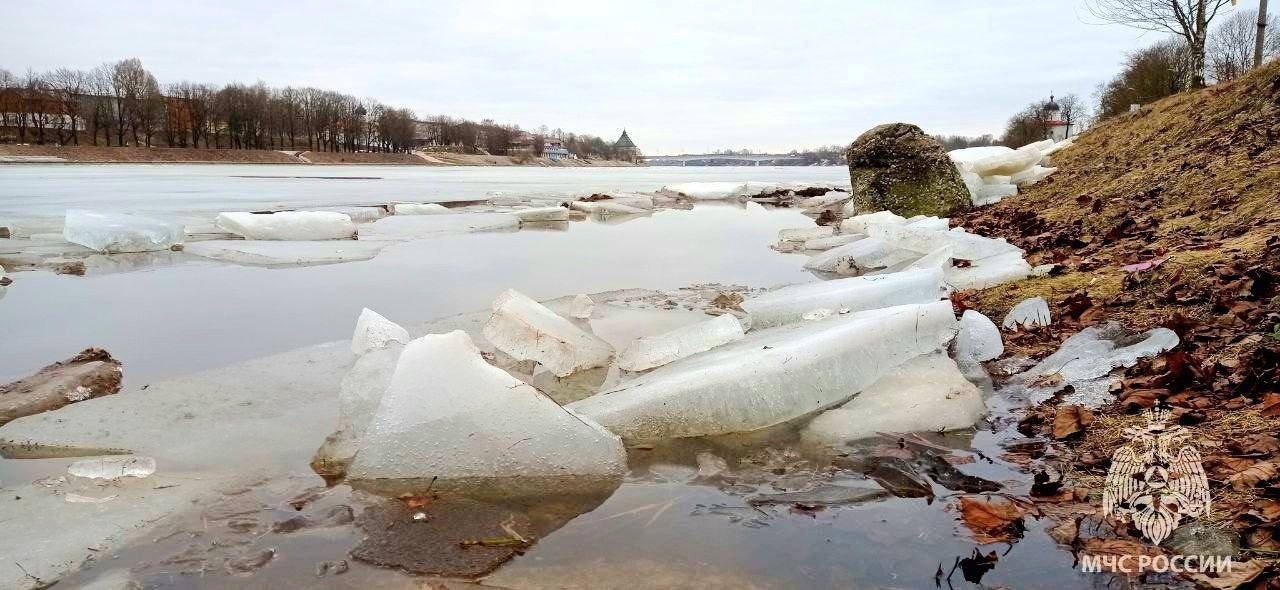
(726, 159)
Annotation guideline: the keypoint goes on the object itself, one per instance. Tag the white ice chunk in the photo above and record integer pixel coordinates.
(859, 224)
(966, 246)
(824, 201)
(526, 330)
(860, 257)
(359, 395)
(706, 191)
(925, 394)
(997, 179)
(654, 351)
(113, 467)
(542, 214)
(965, 158)
(989, 194)
(426, 226)
(979, 338)
(607, 208)
(788, 304)
(817, 315)
(929, 223)
(637, 200)
(357, 214)
(112, 233)
(973, 182)
(582, 307)
(830, 242)
(273, 253)
(988, 272)
(939, 259)
(1008, 164)
(1095, 351)
(804, 234)
(421, 209)
(288, 225)
(1028, 313)
(1032, 176)
(375, 331)
(1057, 147)
(772, 376)
(1041, 145)
(448, 414)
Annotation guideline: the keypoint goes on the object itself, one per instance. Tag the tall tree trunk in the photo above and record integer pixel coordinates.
(1262, 33)
(1197, 44)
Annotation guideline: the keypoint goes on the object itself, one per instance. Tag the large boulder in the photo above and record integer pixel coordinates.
(897, 167)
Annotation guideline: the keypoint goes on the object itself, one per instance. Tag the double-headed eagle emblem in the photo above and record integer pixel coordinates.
(1156, 479)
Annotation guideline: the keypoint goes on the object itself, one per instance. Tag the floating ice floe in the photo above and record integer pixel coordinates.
(375, 331)
(924, 394)
(448, 415)
(113, 467)
(636, 200)
(607, 208)
(710, 191)
(527, 330)
(582, 306)
(542, 214)
(288, 225)
(979, 339)
(788, 304)
(285, 253)
(401, 227)
(654, 351)
(772, 376)
(803, 234)
(421, 209)
(112, 233)
(1028, 313)
(356, 213)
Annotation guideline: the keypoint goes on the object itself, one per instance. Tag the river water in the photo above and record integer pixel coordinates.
(171, 314)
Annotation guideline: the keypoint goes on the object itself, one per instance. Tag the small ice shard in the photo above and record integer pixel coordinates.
(112, 233)
(426, 226)
(789, 304)
(817, 315)
(1085, 360)
(113, 467)
(1028, 313)
(979, 338)
(859, 224)
(711, 466)
(607, 208)
(582, 307)
(1008, 164)
(772, 376)
(966, 246)
(1032, 176)
(375, 331)
(285, 253)
(859, 258)
(526, 330)
(924, 394)
(421, 209)
(288, 225)
(804, 234)
(542, 214)
(988, 272)
(831, 241)
(939, 259)
(448, 414)
(654, 351)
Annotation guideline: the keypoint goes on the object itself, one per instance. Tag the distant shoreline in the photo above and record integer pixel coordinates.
(52, 154)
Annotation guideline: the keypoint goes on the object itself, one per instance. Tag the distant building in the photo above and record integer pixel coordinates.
(1058, 129)
(625, 149)
(554, 149)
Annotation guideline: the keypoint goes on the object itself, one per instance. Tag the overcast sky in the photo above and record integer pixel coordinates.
(681, 77)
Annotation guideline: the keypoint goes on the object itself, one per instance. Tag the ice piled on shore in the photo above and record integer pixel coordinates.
(375, 331)
(859, 258)
(1085, 361)
(542, 214)
(608, 208)
(924, 394)
(1028, 313)
(527, 330)
(421, 209)
(858, 224)
(993, 173)
(448, 414)
(979, 339)
(112, 233)
(989, 272)
(281, 253)
(288, 225)
(403, 227)
(829, 242)
(772, 376)
(654, 351)
(788, 304)
(964, 245)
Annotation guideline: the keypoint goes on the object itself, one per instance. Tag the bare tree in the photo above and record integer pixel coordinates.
(1233, 44)
(1188, 18)
(1073, 112)
(70, 86)
(1150, 74)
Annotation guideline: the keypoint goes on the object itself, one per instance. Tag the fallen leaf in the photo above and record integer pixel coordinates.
(1260, 472)
(1242, 572)
(1141, 266)
(992, 520)
(1071, 420)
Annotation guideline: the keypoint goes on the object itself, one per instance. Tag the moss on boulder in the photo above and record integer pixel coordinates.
(899, 168)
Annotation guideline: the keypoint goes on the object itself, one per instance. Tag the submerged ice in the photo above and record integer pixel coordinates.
(114, 233)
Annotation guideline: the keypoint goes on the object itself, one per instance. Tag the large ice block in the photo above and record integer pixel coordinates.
(1008, 164)
(860, 257)
(706, 191)
(939, 259)
(929, 222)
(654, 351)
(291, 253)
(637, 200)
(357, 214)
(804, 234)
(965, 245)
(403, 227)
(925, 394)
(448, 414)
(772, 376)
(359, 395)
(288, 225)
(788, 304)
(421, 209)
(989, 194)
(527, 330)
(858, 224)
(582, 306)
(608, 208)
(988, 272)
(375, 331)
(979, 339)
(1032, 176)
(112, 233)
(1028, 313)
(1061, 145)
(965, 158)
(1086, 360)
(830, 242)
(542, 214)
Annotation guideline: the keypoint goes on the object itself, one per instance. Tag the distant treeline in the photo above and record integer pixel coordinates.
(122, 104)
